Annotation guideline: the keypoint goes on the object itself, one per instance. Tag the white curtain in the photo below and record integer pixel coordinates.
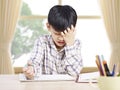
(9, 13)
(111, 15)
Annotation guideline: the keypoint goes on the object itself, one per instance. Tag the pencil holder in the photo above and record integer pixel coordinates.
(109, 83)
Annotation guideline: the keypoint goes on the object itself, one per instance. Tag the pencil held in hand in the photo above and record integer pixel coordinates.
(29, 71)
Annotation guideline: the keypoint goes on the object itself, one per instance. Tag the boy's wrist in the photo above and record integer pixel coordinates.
(70, 43)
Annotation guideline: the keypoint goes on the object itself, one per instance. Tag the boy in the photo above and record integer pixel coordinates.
(59, 52)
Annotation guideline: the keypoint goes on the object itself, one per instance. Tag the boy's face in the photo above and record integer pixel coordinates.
(57, 37)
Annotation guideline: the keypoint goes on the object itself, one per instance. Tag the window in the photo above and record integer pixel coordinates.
(90, 29)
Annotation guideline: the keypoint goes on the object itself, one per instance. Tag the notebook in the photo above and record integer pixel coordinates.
(88, 77)
(58, 77)
(82, 78)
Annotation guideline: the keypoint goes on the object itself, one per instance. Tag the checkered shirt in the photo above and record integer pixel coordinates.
(46, 59)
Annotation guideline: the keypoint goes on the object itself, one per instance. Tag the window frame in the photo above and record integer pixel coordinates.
(85, 69)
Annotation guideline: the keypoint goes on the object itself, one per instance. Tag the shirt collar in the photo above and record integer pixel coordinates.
(52, 44)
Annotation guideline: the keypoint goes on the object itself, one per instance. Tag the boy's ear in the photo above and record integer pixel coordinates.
(48, 26)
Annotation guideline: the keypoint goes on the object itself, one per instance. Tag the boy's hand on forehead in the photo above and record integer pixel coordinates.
(69, 35)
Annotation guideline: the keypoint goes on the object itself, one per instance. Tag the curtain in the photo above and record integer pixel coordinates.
(9, 13)
(111, 15)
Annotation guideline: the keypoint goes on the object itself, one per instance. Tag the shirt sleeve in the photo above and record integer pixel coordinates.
(37, 56)
(73, 59)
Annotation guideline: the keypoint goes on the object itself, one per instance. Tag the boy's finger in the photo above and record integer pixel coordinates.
(68, 29)
(65, 31)
(72, 28)
(29, 76)
(29, 63)
(62, 34)
(25, 69)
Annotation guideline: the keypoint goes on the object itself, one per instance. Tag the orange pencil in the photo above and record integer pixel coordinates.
(102, 69)
(98, 65)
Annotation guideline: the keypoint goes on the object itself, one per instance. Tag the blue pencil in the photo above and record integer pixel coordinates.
(113, 71)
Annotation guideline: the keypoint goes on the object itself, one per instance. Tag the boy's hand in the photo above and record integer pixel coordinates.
(69, 35)
(29, 71)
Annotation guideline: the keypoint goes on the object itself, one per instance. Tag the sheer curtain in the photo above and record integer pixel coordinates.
(9, 12)
(111, 15)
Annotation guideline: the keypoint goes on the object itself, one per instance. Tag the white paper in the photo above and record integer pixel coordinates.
(57, 77)
(88, 77)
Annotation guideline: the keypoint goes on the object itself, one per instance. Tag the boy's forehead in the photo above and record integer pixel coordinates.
(56, 31)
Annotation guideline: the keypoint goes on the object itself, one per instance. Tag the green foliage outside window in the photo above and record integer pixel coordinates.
(26, 33)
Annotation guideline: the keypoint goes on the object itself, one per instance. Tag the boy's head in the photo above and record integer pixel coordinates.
(61, 17)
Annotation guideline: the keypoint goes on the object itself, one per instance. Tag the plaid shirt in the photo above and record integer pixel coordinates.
(46, 59)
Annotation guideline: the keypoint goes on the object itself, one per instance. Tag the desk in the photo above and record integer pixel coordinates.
(11, 82)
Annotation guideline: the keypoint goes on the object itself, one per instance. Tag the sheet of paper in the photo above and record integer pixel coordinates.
(88, 77)
(58, 77)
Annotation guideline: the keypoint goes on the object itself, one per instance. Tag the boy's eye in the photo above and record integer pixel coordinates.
(57, 34)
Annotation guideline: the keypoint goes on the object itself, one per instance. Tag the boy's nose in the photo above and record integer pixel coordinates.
(61, 38)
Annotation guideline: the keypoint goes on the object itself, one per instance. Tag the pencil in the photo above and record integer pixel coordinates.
(102, 69)
(98, 65)
(106, 68)
(113, 71)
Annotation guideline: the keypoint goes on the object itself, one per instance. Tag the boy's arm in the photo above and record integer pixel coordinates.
(73, 59)
(36, 57)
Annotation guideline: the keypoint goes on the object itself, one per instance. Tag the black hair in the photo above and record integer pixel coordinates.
(62, 17)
